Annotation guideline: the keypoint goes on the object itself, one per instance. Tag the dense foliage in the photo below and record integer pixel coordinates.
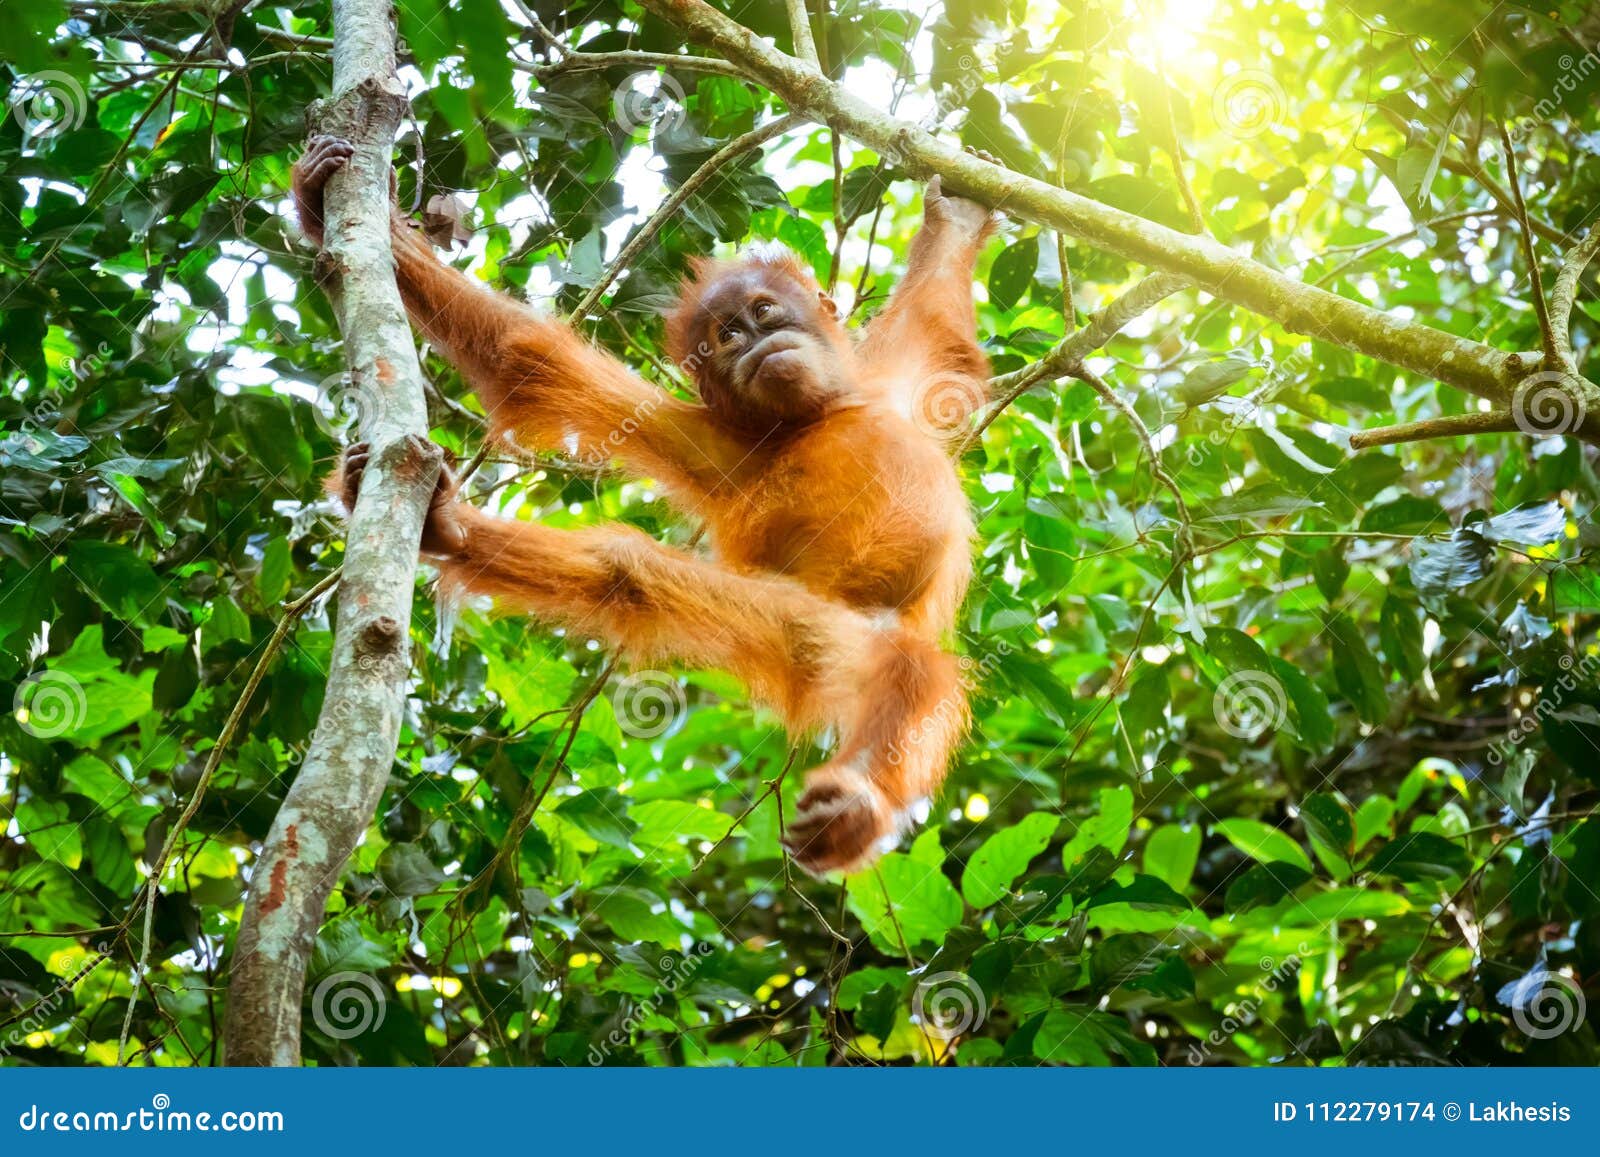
(1295, 770)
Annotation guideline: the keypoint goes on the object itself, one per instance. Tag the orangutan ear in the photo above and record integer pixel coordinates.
(828, 305)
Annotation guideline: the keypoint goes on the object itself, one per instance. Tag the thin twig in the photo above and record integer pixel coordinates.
(1552, 350)
(1119, 404)
(646, 233)
(1066, 355)
(772, 786)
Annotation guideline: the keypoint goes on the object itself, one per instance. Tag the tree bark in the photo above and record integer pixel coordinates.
(1472, 366)
(333, 799)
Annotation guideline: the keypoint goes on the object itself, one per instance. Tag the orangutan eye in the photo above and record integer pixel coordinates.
(762, 308)
(730, 335)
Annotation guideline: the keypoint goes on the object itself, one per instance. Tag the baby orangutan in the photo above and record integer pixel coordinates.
(818, 464)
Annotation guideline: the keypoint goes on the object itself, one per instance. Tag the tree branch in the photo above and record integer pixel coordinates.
(1565, 294)
(594, 61)
(1491, 422)
(646, 233)
(147, 896)
(1099, 328)
(332, 800)
(1472, 366)
(805, 45)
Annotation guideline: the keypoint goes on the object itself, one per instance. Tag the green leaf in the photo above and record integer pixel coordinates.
(1262, 842)
(902, 890)
(1012, 273)
(1263, 884)
(118, 578)
(603, 814)
(1003, 857)
(638, 914)
(1420, 856)
(276, 570)
(1328, 823)
(1356, 670)
(50, 831)
(1107, 829)
(1064, 1038)
(406, 870)
(1308, 706)
(1171, 852)
(666, 821)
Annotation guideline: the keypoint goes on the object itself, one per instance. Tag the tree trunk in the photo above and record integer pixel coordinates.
(333, 799)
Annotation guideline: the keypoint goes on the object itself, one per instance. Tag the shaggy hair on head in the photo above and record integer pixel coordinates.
(768, 259)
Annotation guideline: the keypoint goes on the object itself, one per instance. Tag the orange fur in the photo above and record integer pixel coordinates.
(842, 544)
